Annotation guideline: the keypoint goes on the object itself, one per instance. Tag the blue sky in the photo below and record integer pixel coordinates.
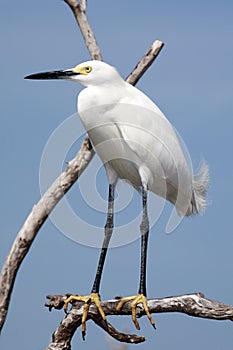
(191, 81)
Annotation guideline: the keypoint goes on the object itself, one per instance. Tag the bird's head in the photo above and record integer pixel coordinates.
(90, 73)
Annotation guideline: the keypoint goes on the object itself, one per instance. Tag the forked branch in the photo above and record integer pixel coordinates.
(191, 304)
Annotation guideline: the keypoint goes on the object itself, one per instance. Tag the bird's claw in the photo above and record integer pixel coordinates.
(92, 298)
(136, 299)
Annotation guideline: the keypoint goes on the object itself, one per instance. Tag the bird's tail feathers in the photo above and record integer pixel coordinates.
(200, 186)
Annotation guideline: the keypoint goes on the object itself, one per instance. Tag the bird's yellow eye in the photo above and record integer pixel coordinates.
(88, 69)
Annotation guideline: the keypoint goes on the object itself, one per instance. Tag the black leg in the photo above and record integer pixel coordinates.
(94, 296)
(144, 227)
(141, 297)
(108, 233)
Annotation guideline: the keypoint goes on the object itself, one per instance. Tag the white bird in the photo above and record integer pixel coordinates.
(136, 143)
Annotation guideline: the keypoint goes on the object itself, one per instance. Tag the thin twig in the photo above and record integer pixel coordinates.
(114, 333)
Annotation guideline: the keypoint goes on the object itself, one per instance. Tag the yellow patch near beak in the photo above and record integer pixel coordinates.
(82, 70)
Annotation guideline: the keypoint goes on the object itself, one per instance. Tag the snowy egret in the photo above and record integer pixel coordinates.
(136, 143)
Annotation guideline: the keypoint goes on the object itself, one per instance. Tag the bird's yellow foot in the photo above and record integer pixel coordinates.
(92, 298)
(136, 299)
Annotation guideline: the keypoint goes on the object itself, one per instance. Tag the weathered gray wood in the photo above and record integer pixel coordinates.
(145, 62)
(79, 10)
(191, 304)
(35, 220)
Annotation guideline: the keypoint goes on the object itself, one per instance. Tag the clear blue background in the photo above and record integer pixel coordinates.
(192, 83)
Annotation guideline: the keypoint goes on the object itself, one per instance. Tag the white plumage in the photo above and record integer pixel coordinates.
(135, 141)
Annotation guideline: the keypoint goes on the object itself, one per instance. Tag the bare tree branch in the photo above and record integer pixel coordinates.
(35, 220)
(145, 62)
(190, 304)
(79, 11)
(122, 337)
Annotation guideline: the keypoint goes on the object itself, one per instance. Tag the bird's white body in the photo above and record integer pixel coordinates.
(133, 138)
(135, 141)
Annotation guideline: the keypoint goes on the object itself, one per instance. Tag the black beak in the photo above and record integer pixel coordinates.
(57, 74)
